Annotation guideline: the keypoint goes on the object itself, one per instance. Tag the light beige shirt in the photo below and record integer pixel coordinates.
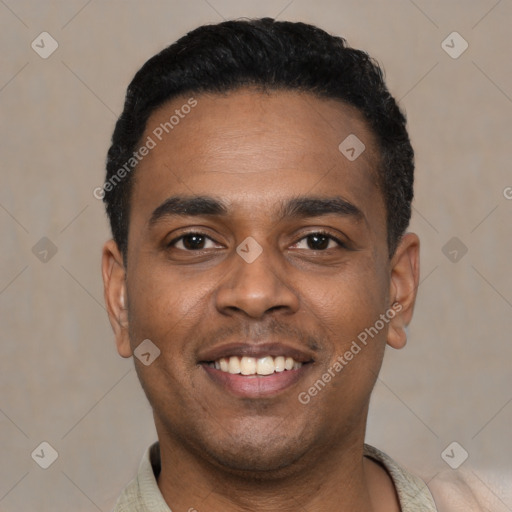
(143, 495)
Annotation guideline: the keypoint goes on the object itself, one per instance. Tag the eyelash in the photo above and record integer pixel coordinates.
(204, 235)
(327, 235)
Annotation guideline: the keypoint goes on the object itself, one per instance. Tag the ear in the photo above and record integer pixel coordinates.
(405, 273)
(114, 285)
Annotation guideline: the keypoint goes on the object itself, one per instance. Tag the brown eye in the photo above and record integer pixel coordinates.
(318, 242)
(191, 242)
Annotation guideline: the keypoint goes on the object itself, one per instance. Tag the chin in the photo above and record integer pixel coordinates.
(261, 458)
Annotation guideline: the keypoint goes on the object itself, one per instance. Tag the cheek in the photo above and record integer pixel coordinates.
(166, 309)
(347, 310)
(163, 304)
(348, 301)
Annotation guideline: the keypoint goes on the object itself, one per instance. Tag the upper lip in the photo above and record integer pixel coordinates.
(256, 350)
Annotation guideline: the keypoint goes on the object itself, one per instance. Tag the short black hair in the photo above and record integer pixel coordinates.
(275, 55)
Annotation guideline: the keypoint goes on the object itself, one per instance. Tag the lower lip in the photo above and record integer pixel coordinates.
(256, 386)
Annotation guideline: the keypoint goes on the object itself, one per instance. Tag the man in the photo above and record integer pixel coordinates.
(259, 186)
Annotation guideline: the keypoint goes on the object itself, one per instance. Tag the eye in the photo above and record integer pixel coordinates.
(318, 241)
(192, 242)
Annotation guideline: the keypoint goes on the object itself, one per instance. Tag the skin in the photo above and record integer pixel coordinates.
(254, 151)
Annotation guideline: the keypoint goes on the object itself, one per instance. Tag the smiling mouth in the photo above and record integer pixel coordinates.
(261, 366)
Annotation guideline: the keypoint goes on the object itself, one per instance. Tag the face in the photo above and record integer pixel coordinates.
(257, 258)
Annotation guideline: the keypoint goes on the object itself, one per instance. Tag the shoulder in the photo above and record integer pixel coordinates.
(464, 490)
(142, 493)
(413, 493)
(129, 500)
(461, 490)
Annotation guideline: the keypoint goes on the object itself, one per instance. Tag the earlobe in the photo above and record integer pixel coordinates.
(403, 287)
(397, 334)
(114, 284)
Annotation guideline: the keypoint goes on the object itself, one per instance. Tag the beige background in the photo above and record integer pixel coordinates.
(61, 378)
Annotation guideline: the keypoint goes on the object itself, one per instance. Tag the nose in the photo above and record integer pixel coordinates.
(256, 287)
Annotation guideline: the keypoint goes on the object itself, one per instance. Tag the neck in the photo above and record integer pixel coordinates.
(341, 480)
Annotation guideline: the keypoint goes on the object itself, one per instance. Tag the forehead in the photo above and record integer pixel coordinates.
(255, 149)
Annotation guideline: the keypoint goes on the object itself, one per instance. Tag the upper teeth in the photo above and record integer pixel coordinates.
(253, 366)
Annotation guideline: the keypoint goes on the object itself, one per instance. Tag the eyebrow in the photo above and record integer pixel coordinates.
(318, 206)
(188, 206)
(298, 207)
